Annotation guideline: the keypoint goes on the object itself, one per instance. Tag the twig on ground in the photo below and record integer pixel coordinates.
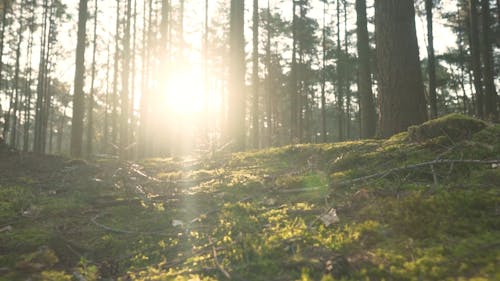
(214, 252)
(414, 166)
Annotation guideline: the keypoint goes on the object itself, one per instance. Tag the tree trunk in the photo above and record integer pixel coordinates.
(475, 57)
(323, 77)
(491, 98)
(366, 102)
(431, 68)
(90, 112)
(268, 101)
(340, 80)
(255, 75)
(124, 118)
(114, 114)
(13, 134)
(27, 102)
(401, 89)
(294, 110)
(237, 75)
(79, 96)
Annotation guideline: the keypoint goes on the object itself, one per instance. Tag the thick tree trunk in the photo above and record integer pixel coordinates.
(237, 75)
(431, 69)
(401, 90)
(366, 101)
(475, 57)
(79, 96)
(491, 98)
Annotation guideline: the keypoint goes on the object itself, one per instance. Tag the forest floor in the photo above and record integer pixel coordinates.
(422, 205)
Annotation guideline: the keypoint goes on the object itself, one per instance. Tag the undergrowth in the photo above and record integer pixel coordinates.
(260, 215)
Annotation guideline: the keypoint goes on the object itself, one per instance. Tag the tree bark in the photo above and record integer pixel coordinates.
(475, 57)
(431, 68)
(255, 75)
(491, 98)
(367, 105)
(124, 117)
(237, 75)
(90, 112)
(401, 89)
(79, 96)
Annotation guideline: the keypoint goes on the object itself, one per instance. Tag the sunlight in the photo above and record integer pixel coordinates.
(185, 92)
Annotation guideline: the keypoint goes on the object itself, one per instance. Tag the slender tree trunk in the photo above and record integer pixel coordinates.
(491, 98)
(475, 57)
(13, 134)
(255, 76)
(401, 89)
(132, 128)
(37, 143)
(116, 63)
(324, 137)
(2, 37)
(105, 127)
(124, 118)
(90, 111)
(340, 78)
(269, 95)
(367, 104)
(431, 69)
(60, 131)
(208, 119)
(27, 103)
(347, 82)
(293, 80)
(145, 91)
(79, 95)
(237, 74)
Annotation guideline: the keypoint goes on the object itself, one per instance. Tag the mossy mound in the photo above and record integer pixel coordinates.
(453, 127)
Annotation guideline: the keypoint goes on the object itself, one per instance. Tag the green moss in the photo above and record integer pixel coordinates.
(453, 127)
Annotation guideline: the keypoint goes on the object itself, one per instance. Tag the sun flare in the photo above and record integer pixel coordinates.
(184, 93)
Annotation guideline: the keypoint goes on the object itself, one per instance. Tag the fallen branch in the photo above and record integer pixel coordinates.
(214, 252)
(409, 167)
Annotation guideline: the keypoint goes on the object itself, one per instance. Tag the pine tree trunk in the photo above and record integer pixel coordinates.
(340, 80)
(490, 97)
(90, 111)
(324, 137)
(28, 93)
(13, 135)
(294, 109)
(255, 75)
(367, 104)
(475, 57)
(79, 96)
(401, 89)
(431, 70)
(269, 88)
(116, 63)
(237, 75)
(124, 118)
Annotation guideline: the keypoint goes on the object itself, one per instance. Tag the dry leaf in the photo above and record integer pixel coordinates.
(177, 223)
(330, 217)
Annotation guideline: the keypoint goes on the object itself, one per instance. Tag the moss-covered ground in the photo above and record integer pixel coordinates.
(395, 209)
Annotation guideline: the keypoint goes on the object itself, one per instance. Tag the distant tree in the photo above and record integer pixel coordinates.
(476, 57)
(124, 97)
(491, 98)
(78, 94)
(431, 69)
(255, 75)
(90, 111)
(401, 90)
(236, 116)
